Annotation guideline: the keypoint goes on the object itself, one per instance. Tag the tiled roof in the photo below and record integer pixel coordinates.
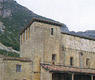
(54, 68)
(67, 33)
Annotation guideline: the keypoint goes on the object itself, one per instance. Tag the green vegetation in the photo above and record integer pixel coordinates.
(20, 17)
(10, 54)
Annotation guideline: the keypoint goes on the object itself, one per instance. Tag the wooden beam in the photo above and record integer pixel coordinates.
(72, 76)
(92, 78)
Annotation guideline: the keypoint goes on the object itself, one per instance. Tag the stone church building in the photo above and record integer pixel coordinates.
(57, 55)
(47, 53)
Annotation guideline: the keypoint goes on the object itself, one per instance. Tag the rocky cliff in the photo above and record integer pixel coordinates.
(88, 33)
(14, 17)
(5, 9)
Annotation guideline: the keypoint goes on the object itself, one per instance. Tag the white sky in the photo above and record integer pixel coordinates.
(78, 15)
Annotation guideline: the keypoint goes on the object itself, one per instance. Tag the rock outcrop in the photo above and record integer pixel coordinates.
(2, 27)
(5, 10)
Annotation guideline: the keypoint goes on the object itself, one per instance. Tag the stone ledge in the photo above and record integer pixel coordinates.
(17, 59)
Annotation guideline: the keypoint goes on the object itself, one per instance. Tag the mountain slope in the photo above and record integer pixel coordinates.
(14, 17)
(88, 33)
(18, 17)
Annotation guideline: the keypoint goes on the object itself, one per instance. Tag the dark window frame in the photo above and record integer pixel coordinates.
(81, 54)
(87, 61)
(63, 48)
(18, 68)
(52, 31)
(71, 61)
(53, 58)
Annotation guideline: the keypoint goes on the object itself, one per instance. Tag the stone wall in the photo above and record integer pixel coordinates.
(80, 49)
(1, 68)
(78, 43)
(41, 45)
(10, 72)
(45, 75)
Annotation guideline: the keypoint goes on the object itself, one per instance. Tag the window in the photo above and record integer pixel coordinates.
(87, 61)
(81, 59)
(18, 68)
(63, 48)
(53, 58)
(71, 61)
(52, 31)
(81, 54)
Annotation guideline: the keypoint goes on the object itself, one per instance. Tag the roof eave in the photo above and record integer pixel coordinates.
(42, 21)
(78, 36)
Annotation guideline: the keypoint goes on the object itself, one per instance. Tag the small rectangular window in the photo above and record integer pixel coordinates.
(53, 58)
(71, 61)
(63, 48)
(81, 59)
(81, 54)
(87, 61)
(52, 31)
(18, 68)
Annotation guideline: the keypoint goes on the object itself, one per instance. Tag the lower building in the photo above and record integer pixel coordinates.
(15, 68)
(47, 53)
